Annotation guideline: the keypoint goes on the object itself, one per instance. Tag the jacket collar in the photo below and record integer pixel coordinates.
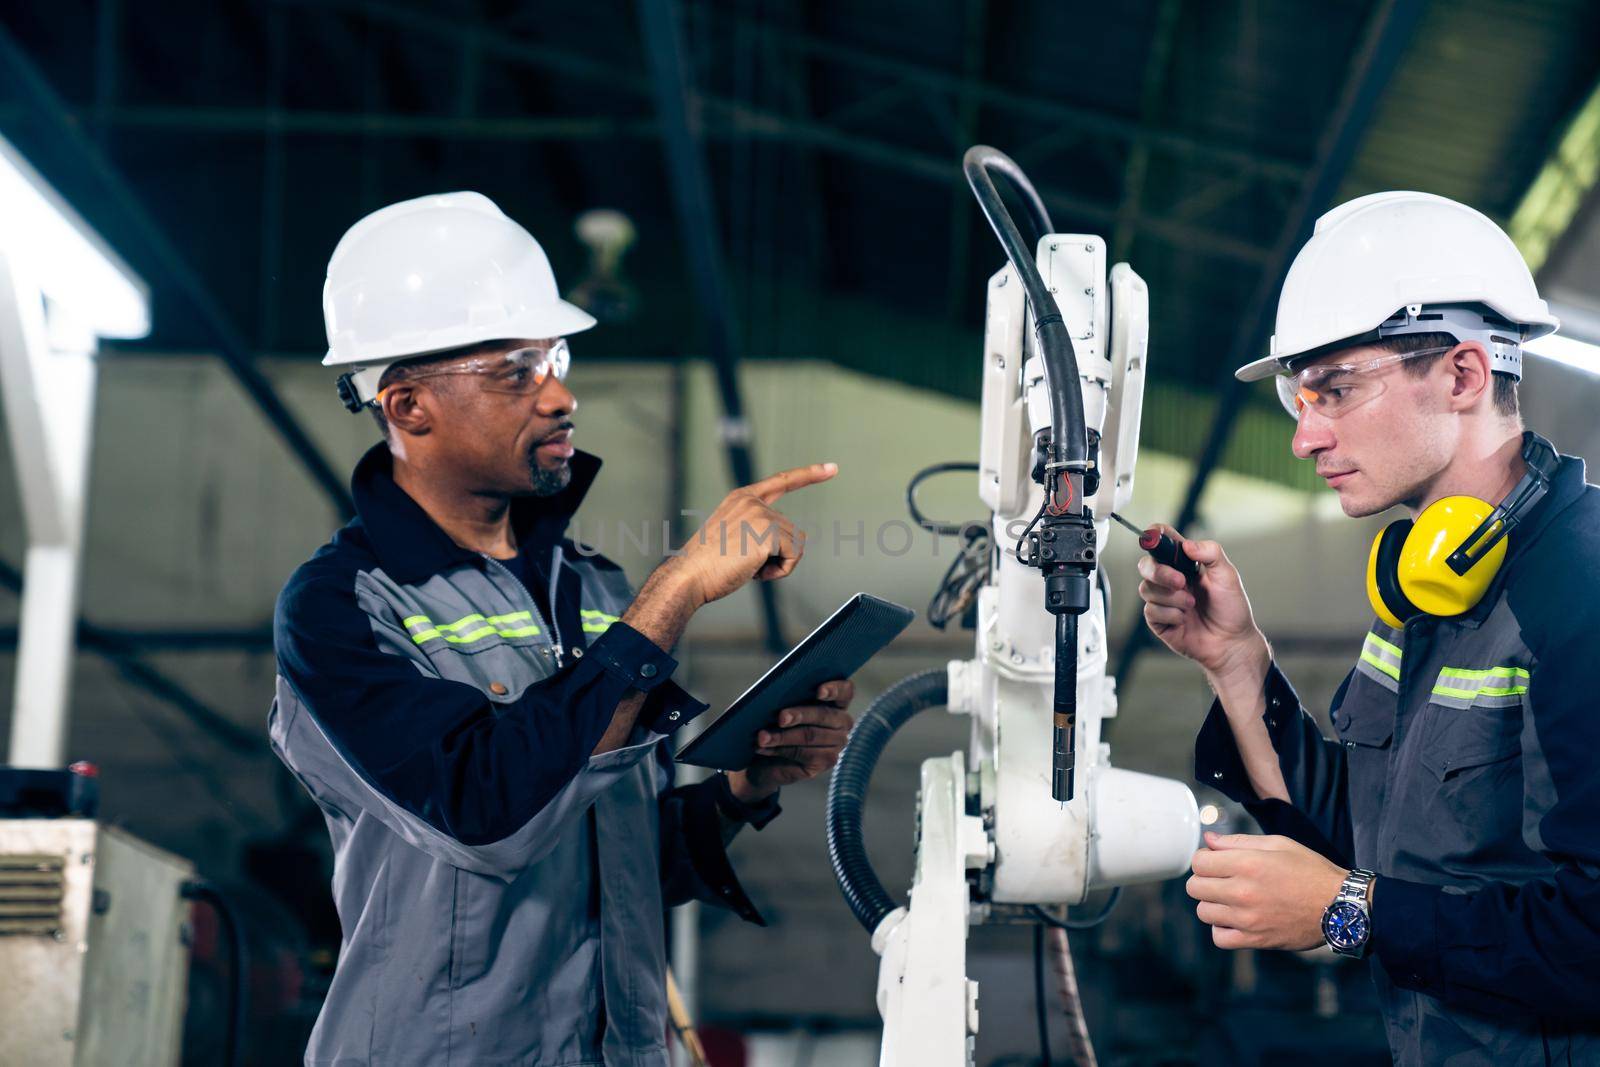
(1566, 486)
(412, 547)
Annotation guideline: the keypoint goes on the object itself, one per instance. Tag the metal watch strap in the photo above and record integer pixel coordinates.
(1355, 886)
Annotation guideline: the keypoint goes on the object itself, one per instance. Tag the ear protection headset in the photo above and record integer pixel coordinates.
(1442, 563)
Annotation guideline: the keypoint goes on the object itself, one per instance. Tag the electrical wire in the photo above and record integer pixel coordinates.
(973, 564)
(967, 574)
(948, 529)
(239, 992)
(1050, 919)
(1079, 1048)
(1038, 996)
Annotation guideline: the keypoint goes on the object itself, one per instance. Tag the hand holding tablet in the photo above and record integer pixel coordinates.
(838, 648)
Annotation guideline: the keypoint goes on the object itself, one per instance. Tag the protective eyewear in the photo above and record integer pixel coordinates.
(1333, 389)
(520, 372)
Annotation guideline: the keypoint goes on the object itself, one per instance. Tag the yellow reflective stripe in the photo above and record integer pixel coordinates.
(1387, 668)
(1393, 650)
(493, 625)
(521, 631)
(1483, 691)
(596, 621)
(1508, 677)
(1490, 672)
(465, 620)
(514, 616)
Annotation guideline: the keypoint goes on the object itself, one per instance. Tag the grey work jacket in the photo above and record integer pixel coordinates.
(1466, 774)
(500, 890)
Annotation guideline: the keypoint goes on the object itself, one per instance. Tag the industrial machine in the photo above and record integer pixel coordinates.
(94, 928)
(1033, 814)
(94, 923)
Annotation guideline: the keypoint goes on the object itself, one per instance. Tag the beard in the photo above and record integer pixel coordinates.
(548, 482)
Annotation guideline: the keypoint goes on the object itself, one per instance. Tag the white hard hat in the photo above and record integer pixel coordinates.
(431, 274)
(1395, 263)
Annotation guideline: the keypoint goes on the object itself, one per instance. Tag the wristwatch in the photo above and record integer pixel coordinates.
(1347, 922)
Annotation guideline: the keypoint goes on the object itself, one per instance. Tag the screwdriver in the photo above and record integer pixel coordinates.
(1163, 549)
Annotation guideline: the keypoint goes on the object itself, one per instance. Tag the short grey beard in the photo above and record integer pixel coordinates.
(549, 483)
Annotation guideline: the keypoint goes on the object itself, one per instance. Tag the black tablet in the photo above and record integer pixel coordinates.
(838, 648)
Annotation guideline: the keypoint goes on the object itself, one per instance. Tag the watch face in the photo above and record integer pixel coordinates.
(1345, 926)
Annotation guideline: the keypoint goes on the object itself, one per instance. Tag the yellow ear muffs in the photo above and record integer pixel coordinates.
(1383, 568)
(1406, 571)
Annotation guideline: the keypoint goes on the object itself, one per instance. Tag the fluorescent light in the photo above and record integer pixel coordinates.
(64, 256)
(1568, 350)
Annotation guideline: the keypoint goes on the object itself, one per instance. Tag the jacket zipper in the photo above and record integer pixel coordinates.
(555, 607)
(533, 602)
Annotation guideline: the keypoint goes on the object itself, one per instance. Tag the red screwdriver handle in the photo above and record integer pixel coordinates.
(1165, 550)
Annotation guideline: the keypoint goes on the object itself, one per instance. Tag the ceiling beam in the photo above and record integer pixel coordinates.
(975, 39)
(700, 233)
(42, 103)
(722, 117)
(1095, 123)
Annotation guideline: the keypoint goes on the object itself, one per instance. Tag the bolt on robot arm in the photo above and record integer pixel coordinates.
(1033, 813)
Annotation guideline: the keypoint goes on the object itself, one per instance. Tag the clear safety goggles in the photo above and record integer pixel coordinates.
(1333, 389)
(520, 372)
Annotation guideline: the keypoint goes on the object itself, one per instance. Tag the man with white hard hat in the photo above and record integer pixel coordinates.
(478, 704)
(1450, 833)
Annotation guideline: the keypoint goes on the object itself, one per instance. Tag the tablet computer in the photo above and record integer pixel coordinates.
(838, 648)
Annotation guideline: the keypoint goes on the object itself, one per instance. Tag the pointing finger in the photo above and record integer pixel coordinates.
(774, 486)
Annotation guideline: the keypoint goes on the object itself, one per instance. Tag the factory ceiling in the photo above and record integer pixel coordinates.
(249, 135)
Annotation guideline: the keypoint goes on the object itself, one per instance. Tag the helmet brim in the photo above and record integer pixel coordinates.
(558, 319)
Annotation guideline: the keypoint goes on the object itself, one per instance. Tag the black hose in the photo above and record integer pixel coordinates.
(239, 994)
(1068, 440)
(1090, 923)
(1039, 1014)
(948, 529)
(847, 789)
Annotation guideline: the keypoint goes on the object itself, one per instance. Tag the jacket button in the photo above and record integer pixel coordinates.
(497, 688)
(647, 671)
(577, 653)
(673, 717)
(1217, 775)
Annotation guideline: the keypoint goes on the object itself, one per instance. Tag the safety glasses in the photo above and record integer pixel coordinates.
(519, 372)
(1333, 389)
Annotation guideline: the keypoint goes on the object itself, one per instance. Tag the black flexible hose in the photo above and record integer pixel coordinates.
(1068, 440)
(239, 993)
(1039, 1014)
(847, 789)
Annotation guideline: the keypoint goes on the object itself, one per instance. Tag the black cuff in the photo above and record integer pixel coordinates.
(756, 815)
(1216, 755)
(1405, 939)
(668, 707)
(630, 656)
(702, 832)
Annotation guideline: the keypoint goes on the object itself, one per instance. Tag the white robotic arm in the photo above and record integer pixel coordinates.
(1001, 825)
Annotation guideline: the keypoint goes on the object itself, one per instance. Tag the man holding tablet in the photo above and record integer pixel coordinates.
(479, 708)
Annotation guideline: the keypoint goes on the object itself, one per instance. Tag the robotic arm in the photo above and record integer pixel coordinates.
(1033, 813)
